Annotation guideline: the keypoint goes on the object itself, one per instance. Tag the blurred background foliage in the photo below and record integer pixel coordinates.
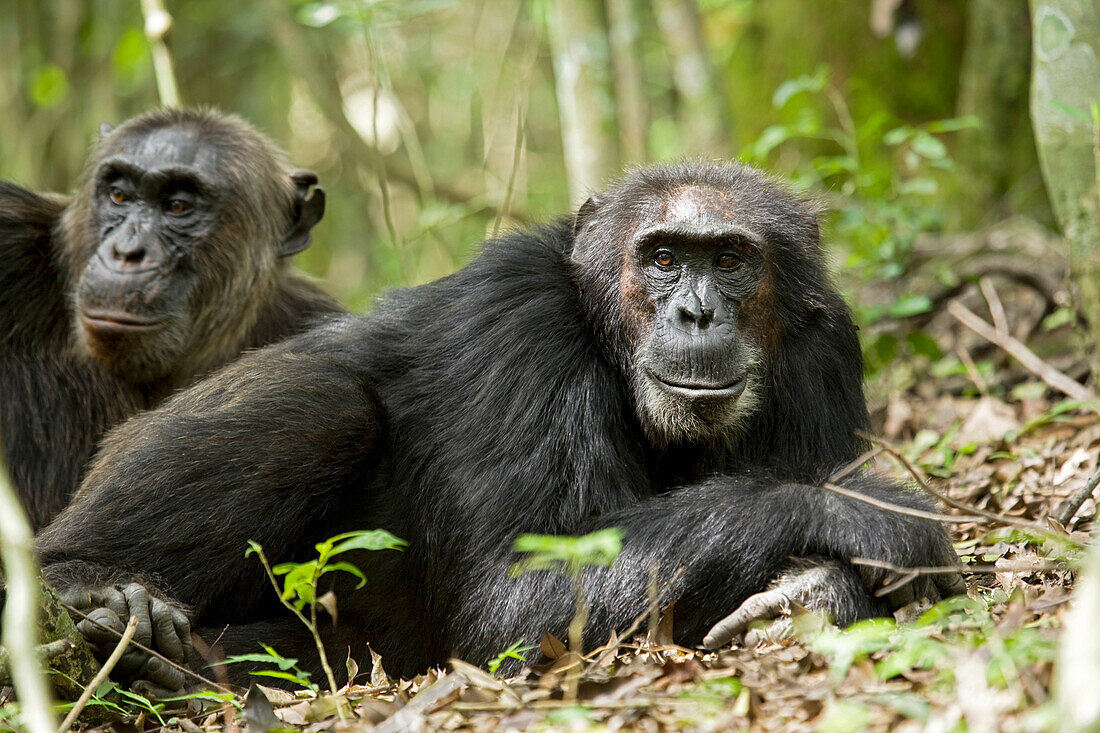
(435, 123)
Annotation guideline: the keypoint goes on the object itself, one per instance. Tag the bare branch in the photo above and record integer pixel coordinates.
(1068, 508)
(1054, 378)
(898, 508)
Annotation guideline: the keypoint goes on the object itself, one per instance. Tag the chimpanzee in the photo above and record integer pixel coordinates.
(168, 262)
(672, 361)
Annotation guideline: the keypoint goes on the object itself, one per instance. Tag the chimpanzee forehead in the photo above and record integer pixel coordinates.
(172, 146)
(699, 205)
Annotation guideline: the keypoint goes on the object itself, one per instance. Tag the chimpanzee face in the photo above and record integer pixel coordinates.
(155, 201)
(696, 363)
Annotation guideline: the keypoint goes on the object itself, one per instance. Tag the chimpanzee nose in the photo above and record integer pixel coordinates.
(130, 253)
(694, 313)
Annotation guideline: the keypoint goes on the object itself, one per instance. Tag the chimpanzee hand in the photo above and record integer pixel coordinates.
(160, 627)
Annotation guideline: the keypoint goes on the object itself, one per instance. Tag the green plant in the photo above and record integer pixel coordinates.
(570, 555)
(515, 651)
(288, 668)
(299, 588)
(890, 177)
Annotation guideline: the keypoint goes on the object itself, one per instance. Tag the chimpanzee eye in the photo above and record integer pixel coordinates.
(664, 258)
(727, 261)
(178, 206)
(118, 195)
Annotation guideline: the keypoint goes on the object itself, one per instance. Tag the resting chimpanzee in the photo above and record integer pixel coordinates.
(170, 260)
(673, 361)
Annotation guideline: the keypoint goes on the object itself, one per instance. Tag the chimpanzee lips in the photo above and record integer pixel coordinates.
(694, 390)
(109, 322)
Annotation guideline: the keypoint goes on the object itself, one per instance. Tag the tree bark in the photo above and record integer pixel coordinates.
(703, 108)
(993, 87)
(1065, 90)
(578, 44)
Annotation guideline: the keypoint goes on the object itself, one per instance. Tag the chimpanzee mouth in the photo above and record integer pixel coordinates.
(119, 323)
(694, 390)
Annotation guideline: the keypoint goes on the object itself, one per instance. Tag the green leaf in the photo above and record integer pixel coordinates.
(49, 86)
(898, 135)
(278, 660)
(954, 124)
(928, 147)
(1059, 318)
(301, 678)
(597, 548)
(924, 345)
(346, 567)
(771, 138)
(813, 84)
(375, 539)
(909, 305)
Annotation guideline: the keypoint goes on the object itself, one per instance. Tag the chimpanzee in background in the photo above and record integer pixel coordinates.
(672, 361)
(168, 262)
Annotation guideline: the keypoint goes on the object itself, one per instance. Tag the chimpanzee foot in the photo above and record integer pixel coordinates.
(818, 584)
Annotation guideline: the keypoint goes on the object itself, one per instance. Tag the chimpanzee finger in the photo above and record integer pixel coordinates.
(165, 639)
(765, 606)
(164, 676)
(137, 599)
(89, 597)
(183, 631)
(950, 584)
(102, 627)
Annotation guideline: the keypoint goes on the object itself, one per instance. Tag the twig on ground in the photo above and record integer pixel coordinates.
(996, 308)
(898, 508)
(845, 471)
(1068, 508)
(89, 690)
(972, 371)
(946, 498)
(908, 575)
(147, 650)
(1053, 378)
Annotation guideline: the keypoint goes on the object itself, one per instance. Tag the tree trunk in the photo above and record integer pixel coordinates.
(626, 58)
(993, 87)
(703, 108)
(1065, 91)
(578, 43)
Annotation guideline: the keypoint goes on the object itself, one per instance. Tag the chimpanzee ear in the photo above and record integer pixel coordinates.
(104, 130)
(309, 207)
(580, 222)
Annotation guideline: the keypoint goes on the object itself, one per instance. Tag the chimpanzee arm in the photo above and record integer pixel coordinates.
(731, 536)
(31, 287)
(257, 452)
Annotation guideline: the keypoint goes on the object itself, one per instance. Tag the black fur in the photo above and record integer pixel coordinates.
(489, 403)
(57, 396)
